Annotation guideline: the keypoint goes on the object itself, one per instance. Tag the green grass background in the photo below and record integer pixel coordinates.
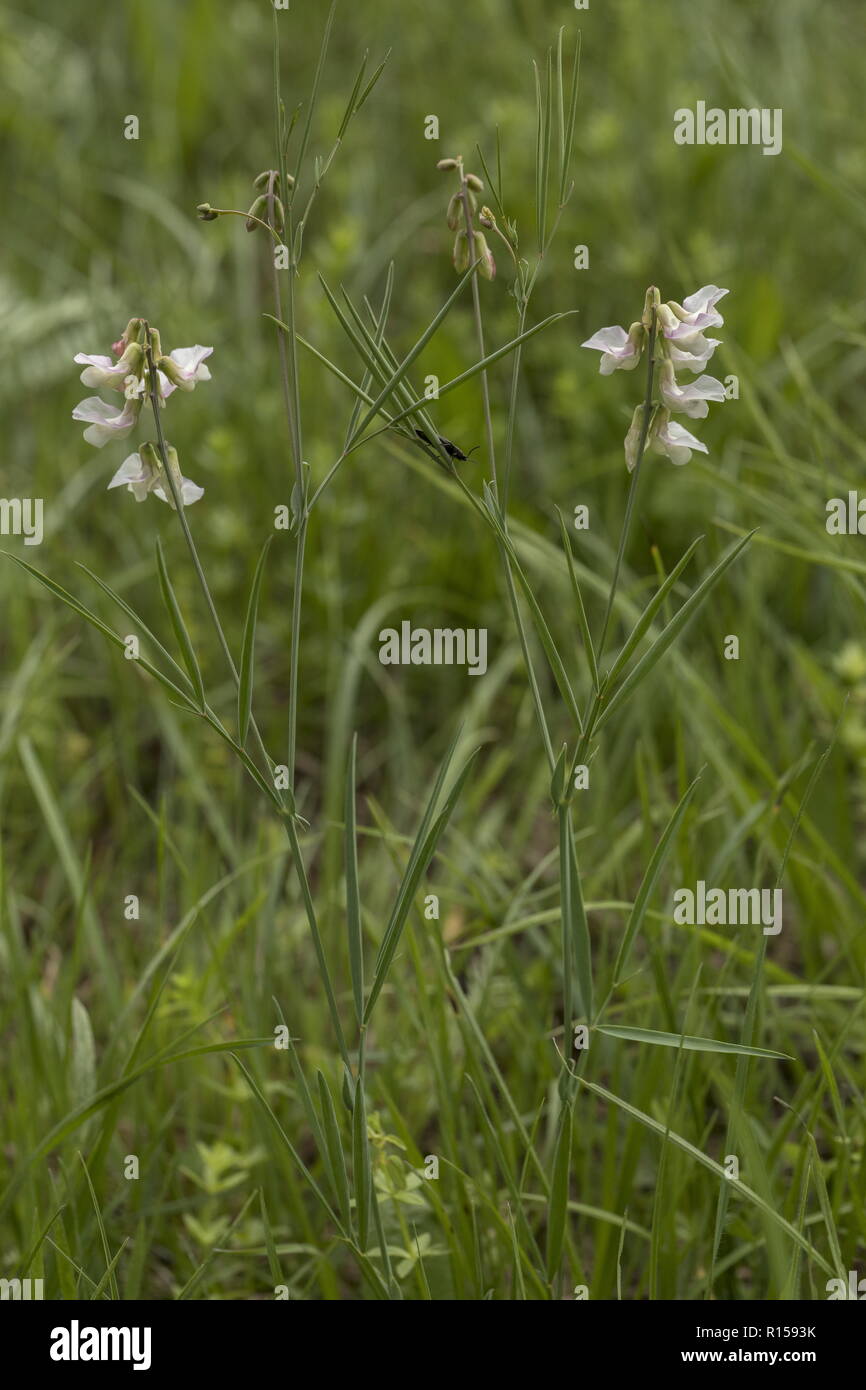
(108, 791)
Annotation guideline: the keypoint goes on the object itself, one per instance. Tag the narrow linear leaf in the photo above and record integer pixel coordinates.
(415, 351)
(82, 1112)
(648, 882)
(334, 1146)
(670, 633)
(137, 619)
(574, 918)
(59, 592)
(481, 365)
(103, 1238)
(371, 84)
(270, 1243)
(655, 603)
(83, 1053)
(180, 630)
(423, 850)
(586, 638)
(689, 1044)
(314, 96)
(353, 896)
(557, 1210)
(556, 663)
(361, 1165)
(564, 188)
(245, 677)
(735, 1184)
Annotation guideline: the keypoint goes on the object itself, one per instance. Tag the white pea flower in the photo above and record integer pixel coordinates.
(106, 421)
(101, 372)
(671, 438)
(138, 475)
(665, 435)
(142, 474)
(700, 350)
(620, 351)
(680, 344)
(183, 368)
(134, 387)
(692, 398)
(697, 311)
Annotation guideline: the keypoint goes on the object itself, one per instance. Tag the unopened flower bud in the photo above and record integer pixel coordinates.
(652, 301)
(205, 213)
(256, 213)
(130, 334)
(632, 439)
(461, 253)
(474, 182)
(133, 357)
(488, 264)
(447, 164)
(486, 218)
(264, 178)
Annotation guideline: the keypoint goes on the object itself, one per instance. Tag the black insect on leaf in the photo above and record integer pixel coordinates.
(452, 450)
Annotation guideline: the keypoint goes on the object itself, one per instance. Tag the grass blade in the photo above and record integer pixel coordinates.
(736, 1184)
(648, 882)
(688, 1043)
(334, 1146)
(557, 1210)
(361, 1165)
(423, 850)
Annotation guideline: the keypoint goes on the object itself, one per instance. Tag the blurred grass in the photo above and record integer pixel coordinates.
(108, 791)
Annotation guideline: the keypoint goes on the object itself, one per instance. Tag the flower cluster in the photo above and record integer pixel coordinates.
(681, 344)
(130, 377)
(462, 216)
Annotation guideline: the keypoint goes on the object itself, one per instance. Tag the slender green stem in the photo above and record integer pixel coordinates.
(479, 327)
(291, 400)
(287, 815)
(626, 525)
(488, 421)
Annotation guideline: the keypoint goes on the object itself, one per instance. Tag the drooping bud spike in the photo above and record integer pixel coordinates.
(455, 211)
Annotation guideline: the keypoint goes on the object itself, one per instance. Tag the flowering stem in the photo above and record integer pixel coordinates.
(178, 500)
(479, 326)
(287, 816)
(632, 492)
(291, 403)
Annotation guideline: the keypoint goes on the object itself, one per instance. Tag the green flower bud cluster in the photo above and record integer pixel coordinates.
(462, 217)
(266, 209)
